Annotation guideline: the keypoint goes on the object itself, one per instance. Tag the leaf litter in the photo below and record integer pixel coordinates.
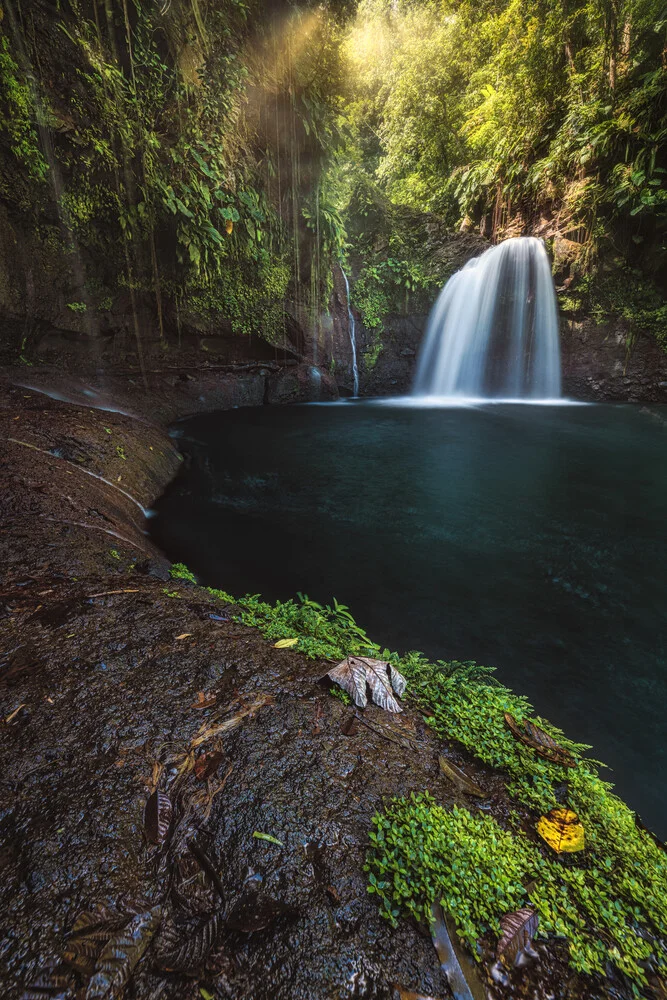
(532, 736)
(459, 968)
(515, 946)
(459, 778)
(355, 673)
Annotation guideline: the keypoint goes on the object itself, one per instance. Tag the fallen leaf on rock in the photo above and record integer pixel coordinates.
(458, 966)
(121, 955)
(53, 982)
(205, 994)
(157, 817)
(185, 635)
(267, 836)
(285, 643)
(100, 922)
(350, 727)
(355, 672)
(186, 951)
(459, 778)
(562, 831)
(207, 764)
(204, 700)
(255, 911)
(210, 729)
(91, 931)
(518, 930)
(543, 744)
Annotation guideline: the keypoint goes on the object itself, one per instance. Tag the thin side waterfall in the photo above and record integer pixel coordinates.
(493, 333)
(352, 327)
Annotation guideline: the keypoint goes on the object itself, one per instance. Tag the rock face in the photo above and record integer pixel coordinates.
(394, 371)
(603, 362)
(599, 361)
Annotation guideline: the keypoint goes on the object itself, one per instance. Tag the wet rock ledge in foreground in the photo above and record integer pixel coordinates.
(116, 681)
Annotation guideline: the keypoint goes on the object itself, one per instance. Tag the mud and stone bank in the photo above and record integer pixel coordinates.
(102, 661)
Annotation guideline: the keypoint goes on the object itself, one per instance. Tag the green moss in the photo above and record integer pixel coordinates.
(179, 571)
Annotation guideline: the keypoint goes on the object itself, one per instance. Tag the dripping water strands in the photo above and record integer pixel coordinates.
(352, 329)
(493, 333)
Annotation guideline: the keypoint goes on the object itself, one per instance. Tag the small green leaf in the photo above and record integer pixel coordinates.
(267, 836)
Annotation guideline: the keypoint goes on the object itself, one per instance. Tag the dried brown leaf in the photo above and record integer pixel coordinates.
(210, 729)
(459, 778)
(532, 736)
(121, 955)
(354, 673)
(518, 930)
(53, 982)
(350, 727)
(404, 994)
(207, 764)
(186, 951)
(103, 919)
(204, 700)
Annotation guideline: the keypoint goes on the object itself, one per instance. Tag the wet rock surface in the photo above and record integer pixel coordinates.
(116, 682)
(602, 362)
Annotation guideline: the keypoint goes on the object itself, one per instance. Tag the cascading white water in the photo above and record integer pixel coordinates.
(352, 327)
(493, 333)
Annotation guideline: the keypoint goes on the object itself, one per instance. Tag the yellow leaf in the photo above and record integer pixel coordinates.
(229, 228)
(284, 643)
(562, 831)
(185, 635)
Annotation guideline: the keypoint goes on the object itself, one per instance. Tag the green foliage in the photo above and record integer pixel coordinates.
(179, 571)
(421, 852)
(465, 703)
(341, 695)
(324, 632)
(624, 881)
(18, 114)
(386, 286)
(172, 167)
(509, 114)
(620, 292)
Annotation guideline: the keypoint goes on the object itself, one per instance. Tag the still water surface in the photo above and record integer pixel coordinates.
(529, 538)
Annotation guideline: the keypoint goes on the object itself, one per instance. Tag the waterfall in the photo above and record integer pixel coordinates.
(352, 328)
(493, 333)
(316, 381)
